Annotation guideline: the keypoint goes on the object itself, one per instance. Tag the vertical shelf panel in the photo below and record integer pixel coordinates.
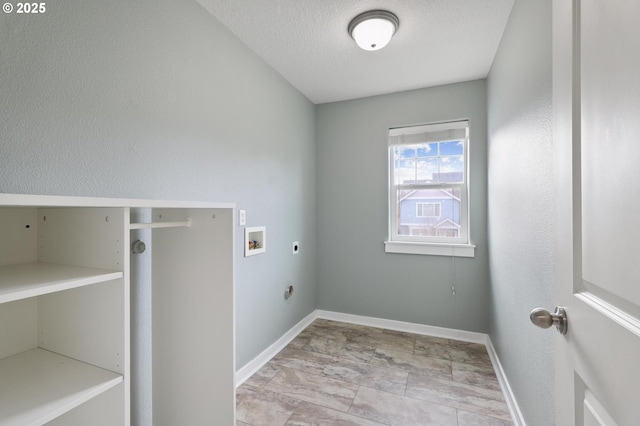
(105, 409)
(18, 245)
(90, 237)
(87, 323)
(90, 323)
(193, 305)
(18, 326)
(19, 228)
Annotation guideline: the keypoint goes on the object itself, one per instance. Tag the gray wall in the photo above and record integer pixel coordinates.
(521, 206)
(156, 99)
(355, 275)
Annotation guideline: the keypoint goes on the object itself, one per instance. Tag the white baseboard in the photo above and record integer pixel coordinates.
(448, 333)
(256, 364)
(509, 397)
(428, 330)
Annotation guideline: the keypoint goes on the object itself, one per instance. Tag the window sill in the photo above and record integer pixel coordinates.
(432, 249)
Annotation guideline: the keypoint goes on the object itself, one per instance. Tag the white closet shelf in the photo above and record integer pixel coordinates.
(35, 279)
(37, 386)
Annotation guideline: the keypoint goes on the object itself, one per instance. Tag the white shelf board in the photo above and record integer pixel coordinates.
(35, 279)
(37, 386)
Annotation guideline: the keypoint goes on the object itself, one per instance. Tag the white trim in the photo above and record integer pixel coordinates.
(407, 247)
(234, 325)
(435, 127)
(408, 327)
(509, 397)
(615, 314)
(256, 364)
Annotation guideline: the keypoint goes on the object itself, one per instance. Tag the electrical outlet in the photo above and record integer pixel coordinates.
(242, 217)
(295, 247)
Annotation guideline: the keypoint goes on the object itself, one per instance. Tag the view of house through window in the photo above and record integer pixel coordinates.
(428, 183)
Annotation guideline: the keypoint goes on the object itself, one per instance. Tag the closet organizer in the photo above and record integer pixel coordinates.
(65, 310)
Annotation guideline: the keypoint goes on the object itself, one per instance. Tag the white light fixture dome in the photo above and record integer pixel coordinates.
(373, 30)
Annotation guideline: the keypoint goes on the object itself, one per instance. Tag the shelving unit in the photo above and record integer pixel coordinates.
(64, 314)
(65, 327)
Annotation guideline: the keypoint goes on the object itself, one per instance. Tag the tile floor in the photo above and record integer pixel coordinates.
(335, 373)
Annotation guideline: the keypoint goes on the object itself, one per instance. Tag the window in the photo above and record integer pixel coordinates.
(428, 209)
(428, 186)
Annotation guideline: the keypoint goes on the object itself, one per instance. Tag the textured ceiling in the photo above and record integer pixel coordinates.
(306, 41)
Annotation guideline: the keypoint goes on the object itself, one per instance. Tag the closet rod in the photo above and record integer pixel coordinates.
(185, 224)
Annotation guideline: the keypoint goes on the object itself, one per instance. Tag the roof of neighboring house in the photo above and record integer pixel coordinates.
(449, 224)
(428, 194)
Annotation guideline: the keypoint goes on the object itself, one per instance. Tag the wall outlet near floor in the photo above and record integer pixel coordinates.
(295, 247)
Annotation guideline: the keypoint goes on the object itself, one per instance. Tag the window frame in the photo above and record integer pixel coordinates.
(460, 246)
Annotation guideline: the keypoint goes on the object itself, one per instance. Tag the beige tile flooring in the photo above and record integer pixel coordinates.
(335, 373)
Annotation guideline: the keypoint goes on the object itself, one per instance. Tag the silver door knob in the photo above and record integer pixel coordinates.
(543, 319)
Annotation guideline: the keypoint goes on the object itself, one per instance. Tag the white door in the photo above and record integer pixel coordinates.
(597, 138)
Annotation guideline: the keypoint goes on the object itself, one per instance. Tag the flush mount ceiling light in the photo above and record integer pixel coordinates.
(373, 30)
